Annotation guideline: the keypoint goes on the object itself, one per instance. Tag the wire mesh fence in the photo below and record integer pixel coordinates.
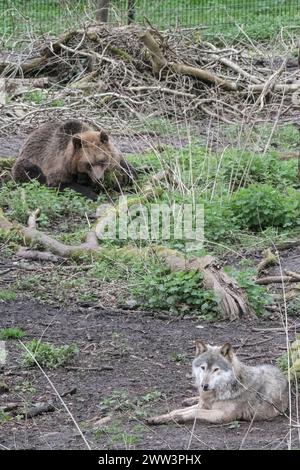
(259, 18)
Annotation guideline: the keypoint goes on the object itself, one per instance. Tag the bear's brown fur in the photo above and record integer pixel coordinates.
(58, 153)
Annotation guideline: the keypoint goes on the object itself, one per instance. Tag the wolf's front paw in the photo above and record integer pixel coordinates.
(190, 401)
(153, 420)
(157, 420)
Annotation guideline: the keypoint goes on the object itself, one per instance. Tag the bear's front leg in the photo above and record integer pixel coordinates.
(81, 189)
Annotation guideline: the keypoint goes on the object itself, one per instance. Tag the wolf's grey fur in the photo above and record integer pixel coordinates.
(231, 390)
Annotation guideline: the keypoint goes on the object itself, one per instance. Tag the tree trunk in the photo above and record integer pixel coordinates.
(131, 11)
(102, 11)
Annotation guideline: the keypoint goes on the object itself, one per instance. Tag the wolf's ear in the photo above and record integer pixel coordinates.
(103, 137)
(227, 351)
(200, 347)
(77, 141)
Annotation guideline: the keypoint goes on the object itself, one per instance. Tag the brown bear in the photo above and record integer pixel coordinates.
(69, 154)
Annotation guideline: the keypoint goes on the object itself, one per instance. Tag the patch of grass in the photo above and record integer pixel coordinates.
(39, 97)
(12, 333)
(150, 397)
(48, 355)
(20, 200)
(35, 96)
(178, 358)
(117, 435)
(7, 295)
(241, 168)
(260, 19)
(4, 417)
(294, 307)
(290, 362)
(119, 263)
(138, 406)
(26, 387)
(258, 139)
(118, 400)
(9, 241)
(220, 224)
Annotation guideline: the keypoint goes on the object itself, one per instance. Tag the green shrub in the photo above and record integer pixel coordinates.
(48, 355)
(259, 206)
(179, 292)
(220, 223)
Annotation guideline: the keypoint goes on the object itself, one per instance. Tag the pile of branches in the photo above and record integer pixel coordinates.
(138, 72)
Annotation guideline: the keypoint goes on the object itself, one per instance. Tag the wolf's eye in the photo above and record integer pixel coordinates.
(216, 369)
(203, 367)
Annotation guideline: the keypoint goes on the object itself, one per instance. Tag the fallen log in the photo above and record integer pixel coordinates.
(231, 298)
(9, 68)
(283, 88)
(263, 281)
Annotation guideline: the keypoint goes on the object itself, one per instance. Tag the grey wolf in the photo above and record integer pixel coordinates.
(61, 154)
(230, 390)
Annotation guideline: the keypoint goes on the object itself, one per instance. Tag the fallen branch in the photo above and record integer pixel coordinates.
(270, 83)
(274, 280)
(284, 88)
(38, 409)
(294, 275)
(232, 65)
(32, 235)
(159, 62)
(25, 67)
(231, 299)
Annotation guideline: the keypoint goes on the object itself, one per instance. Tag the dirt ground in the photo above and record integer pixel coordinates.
(132, 355)
(10, 146)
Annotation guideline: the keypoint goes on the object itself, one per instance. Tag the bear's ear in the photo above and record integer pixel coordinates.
(77, 141)
(103, 137)
(200, 347)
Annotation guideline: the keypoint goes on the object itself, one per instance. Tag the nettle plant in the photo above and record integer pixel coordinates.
(179, 292)
(259, 206)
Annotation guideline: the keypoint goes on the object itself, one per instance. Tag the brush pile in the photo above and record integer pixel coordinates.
(130, 72)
